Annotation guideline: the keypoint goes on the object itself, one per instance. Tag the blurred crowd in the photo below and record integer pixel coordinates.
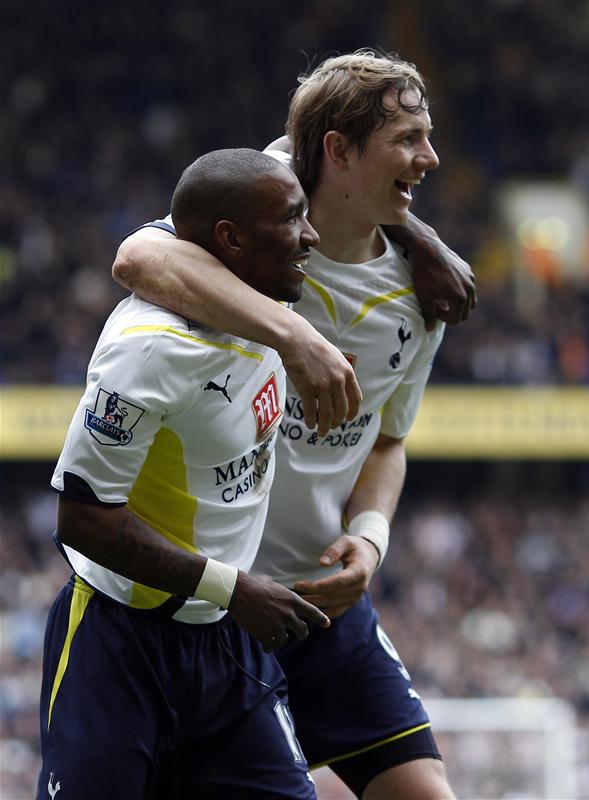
(484, 592)
(103, 110)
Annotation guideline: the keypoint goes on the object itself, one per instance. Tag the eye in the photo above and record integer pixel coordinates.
(293, 218)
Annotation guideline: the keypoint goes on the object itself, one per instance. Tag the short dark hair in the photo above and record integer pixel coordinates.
(218, 185)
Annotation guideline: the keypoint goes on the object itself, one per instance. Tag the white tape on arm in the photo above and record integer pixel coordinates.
(373, 526)
(217, 583)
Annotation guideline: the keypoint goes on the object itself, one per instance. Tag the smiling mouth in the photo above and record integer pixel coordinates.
(404, 188)
(300, 263)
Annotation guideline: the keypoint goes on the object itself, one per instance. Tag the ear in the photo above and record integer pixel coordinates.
(229, 237)
(335, 149)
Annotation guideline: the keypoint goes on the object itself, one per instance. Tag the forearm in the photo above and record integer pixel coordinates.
(443, 282)
(381, 479)
(188, 280)
(117, 539)
(413, 234)
(361, 550)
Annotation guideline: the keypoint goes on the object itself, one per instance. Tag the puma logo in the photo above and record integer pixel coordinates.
(395, 359)
(223, 389)
(52, 788)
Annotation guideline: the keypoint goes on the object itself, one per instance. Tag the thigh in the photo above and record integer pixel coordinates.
(423, 779)
(98, 724)
(261, 758)
(244, 747)
(349, 690)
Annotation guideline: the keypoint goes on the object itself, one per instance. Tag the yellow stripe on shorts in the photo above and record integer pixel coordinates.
(81, 596)
(373, 746)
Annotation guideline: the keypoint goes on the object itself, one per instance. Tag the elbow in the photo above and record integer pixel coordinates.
(386, 442)
(125, 265)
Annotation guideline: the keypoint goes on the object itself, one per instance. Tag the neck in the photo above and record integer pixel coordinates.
(346, 235)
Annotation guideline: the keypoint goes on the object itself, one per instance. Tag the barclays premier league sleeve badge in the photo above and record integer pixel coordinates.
(113, 418)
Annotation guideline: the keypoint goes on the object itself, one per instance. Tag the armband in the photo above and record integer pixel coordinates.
(217, 583)
(375, 528)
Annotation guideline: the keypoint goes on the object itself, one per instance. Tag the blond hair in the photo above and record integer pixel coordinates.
(345, 94)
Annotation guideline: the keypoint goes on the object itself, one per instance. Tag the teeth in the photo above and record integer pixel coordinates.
(301, 264)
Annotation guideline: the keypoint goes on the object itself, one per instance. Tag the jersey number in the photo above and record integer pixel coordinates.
(287, 725)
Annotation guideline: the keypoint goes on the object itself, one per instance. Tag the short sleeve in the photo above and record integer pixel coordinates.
(163, 224)
(400, 410)
(134, 383)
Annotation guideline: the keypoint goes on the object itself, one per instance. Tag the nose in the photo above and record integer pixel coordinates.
(427, 158)
(309, 236)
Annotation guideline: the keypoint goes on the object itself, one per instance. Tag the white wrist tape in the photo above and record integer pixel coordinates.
(375, 527)
(217, 583)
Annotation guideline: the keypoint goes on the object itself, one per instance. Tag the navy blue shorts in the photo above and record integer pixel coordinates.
(137, 706)
(352, 699)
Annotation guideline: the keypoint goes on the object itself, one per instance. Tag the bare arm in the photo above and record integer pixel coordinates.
(188, 280)
(381, 478)
(118, 540)
(378, 488)
(444, 282)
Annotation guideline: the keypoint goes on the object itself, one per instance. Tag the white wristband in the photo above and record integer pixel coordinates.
(217, 583)
(375, 527)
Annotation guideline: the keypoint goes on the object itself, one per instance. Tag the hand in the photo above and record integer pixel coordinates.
(444, 283)
(324, 380)
(268, 611)
(445, 286)
(339, 592)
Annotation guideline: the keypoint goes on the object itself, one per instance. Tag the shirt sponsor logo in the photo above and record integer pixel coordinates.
(112, 419)
(347, 435)
(242, 474)
(265, 408)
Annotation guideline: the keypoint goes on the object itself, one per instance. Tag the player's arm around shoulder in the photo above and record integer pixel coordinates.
(189, 281)
(160, 268)
(444, 283)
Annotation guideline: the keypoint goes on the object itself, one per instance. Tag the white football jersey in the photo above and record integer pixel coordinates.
(178, 422)
(370, 312)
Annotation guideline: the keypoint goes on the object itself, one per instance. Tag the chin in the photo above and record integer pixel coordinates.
(398, 217)
(292, 293)
(289, 294)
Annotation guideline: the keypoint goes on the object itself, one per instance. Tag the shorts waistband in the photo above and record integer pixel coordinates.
(166, 610)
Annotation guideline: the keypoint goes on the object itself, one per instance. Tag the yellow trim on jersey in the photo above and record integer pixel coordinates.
(381, 298)
(236, 348)
(160, 497)
(324, 295)
(372, 746)
(81, 596)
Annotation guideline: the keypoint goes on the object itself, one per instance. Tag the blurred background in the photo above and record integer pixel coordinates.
(485, 591)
